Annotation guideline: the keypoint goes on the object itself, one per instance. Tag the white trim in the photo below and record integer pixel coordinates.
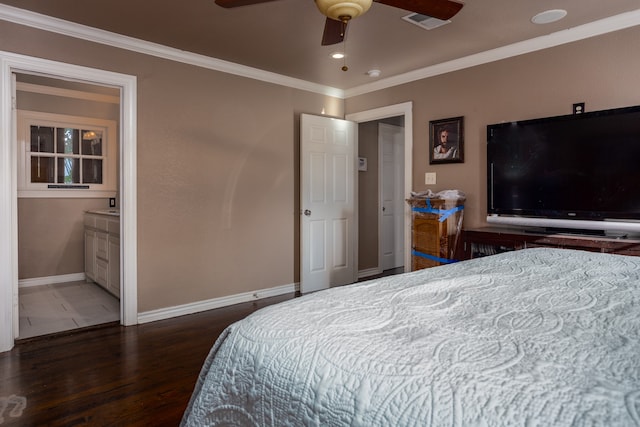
(50, 280)
(592, 29)
(211, 304)
(405, 109)
(10, 63)
(8, 210)
(108, 128)
(59, 26)
(369, 272)
(67, 194)
(66, 93)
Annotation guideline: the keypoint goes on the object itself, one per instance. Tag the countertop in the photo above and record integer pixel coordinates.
(111, 212)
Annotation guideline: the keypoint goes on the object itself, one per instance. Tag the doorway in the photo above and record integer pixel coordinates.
(68, 130)
(390, 193)
(371, 263)
(11, 64)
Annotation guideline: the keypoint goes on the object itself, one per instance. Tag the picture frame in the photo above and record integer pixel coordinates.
(446, 141)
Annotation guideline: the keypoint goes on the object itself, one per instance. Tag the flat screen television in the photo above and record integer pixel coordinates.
(577, 172)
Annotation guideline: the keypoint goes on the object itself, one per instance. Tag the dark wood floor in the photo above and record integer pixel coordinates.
(113, 376)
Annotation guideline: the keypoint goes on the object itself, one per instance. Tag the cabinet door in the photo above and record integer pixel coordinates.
(89, 254)
(114, 266)
(102, 273)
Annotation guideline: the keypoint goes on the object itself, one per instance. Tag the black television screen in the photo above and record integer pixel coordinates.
(574, 167)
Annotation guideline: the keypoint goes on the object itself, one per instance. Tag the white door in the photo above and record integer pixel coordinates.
(327, 202)
(391, 155)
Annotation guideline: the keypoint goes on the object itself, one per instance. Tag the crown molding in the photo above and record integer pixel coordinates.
(592, 29)
(59, 26)
(79, 31)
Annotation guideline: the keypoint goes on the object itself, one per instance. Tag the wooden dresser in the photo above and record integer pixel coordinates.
(435, 231)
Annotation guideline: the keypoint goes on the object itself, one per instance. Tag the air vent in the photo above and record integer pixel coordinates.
(425, 21)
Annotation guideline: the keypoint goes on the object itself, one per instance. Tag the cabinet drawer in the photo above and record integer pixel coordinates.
(102, 224)
(90, 221)
(102, 246)
(114, 227)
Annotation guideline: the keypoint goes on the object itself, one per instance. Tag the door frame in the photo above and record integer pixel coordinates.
(404, 109)
(14, 63)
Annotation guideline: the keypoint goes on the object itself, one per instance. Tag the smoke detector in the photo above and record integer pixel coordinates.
(425, 21)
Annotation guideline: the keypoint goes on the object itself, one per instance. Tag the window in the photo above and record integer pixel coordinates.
(66, 156)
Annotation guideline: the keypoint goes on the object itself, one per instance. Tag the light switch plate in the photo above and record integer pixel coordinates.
(430, 178)
(112, 202)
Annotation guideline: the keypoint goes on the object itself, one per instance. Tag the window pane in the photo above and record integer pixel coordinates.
(42, 169)
(91, 143)
(92, 171)
(68, 141)
(41, 139)
(68, 170)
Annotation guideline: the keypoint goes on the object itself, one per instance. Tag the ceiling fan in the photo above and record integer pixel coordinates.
(340, 12)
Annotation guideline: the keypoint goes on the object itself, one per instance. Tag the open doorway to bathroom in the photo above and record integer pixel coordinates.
(70, 164)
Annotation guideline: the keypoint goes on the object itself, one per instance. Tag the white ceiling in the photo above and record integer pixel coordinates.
(283, 36)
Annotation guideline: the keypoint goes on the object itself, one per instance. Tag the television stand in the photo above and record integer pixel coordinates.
(483, 241)
(574, 231)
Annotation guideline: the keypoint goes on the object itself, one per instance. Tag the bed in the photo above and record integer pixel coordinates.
(537, 337)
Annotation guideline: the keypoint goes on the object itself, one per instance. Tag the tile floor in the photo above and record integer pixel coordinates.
(60, 307)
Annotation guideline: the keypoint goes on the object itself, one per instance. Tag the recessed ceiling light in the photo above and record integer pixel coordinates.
(374, 73)
(337, 55)
(549, 16)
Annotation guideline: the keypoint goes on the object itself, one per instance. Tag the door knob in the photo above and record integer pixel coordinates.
(307, 212)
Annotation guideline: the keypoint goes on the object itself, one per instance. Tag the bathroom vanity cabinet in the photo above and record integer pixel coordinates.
(102, 249)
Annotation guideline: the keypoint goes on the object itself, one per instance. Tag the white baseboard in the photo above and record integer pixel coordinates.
(369, 272)
(197, 307)
(49, 280)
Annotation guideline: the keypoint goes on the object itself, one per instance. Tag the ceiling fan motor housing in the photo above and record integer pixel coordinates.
(341, 10)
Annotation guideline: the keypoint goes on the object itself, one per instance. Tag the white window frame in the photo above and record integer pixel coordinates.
(28, 189)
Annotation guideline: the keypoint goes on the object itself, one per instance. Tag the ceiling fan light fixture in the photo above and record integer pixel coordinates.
(342, 10)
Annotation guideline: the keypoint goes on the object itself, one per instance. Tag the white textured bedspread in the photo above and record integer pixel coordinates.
(538, 337)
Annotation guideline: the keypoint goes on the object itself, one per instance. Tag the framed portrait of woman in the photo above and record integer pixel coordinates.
(446, 141)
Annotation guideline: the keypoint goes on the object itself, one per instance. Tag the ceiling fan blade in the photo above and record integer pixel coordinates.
(441, 9)
(333, 32)
(237, 3)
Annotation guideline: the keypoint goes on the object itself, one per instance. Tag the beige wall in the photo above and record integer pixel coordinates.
(50, 236)
(603, 72)
(218, 154)
(217, 164)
